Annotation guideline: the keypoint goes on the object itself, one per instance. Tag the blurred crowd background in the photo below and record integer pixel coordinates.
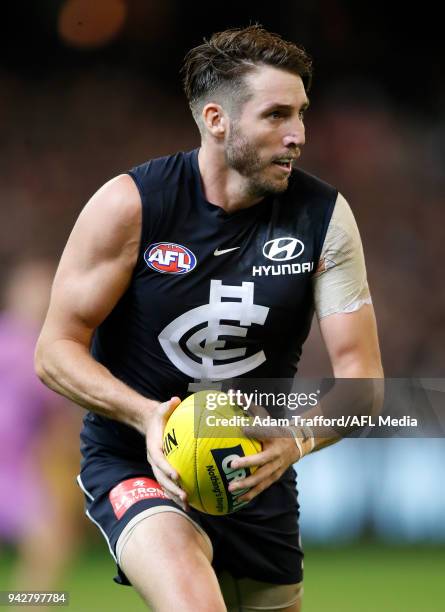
(89, 89)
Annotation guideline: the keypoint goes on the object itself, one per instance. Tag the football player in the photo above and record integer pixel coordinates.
(196, 267)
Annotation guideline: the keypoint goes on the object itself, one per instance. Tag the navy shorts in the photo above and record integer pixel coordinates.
(260, 541)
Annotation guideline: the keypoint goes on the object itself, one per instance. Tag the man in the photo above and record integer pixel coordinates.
(151, 260)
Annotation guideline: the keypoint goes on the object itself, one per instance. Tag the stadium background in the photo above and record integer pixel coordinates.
(89, 89)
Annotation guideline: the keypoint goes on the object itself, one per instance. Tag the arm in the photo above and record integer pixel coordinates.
(351, 341)
(352, 344)
(347, 322)
(94, 272)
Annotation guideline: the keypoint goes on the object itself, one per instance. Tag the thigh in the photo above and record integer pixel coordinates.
(168, 561)
(160, 550)
(246, 595)
(119, 493)
(260, 541)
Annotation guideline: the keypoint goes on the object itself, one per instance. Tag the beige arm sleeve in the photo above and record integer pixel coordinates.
(340, 283)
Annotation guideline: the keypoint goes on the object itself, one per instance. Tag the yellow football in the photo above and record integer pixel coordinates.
(201, 438)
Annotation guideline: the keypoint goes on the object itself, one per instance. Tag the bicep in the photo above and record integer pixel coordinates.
(351, 340)
(342, 299)
(97, 262)
(340, 284)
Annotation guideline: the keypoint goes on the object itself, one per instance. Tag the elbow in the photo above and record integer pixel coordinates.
(356, 364)
(364, 384)
(41, 362)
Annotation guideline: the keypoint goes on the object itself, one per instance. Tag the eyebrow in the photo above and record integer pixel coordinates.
(286, 107)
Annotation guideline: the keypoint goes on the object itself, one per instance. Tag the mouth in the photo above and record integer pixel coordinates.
(284, 163)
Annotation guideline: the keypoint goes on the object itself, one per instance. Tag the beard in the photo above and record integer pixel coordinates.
(242, 156)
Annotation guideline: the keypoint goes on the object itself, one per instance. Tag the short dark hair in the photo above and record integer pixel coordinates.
(228, 56)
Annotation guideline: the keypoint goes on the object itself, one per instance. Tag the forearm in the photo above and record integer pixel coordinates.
(68, 368)
(358, 391)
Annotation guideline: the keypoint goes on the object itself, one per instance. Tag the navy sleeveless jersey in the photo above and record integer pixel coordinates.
(213, 295)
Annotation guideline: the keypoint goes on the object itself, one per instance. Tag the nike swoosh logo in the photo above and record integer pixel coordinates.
(218, 252)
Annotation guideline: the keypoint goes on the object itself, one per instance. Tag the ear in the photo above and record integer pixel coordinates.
(215, 119)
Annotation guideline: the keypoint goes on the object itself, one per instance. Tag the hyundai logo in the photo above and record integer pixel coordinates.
(283, 249)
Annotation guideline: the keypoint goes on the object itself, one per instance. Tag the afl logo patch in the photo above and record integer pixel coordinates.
(169, 258)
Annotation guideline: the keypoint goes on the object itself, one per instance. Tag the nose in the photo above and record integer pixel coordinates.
(295, 137)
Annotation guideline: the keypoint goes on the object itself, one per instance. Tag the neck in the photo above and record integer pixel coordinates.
(223, 186)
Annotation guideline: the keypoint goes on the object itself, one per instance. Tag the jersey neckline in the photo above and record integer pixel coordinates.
(216, 211)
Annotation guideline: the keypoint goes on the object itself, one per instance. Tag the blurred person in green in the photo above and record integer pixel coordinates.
(39, 508)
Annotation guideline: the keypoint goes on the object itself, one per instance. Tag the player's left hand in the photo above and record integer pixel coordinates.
(279, 452)
(277, 455)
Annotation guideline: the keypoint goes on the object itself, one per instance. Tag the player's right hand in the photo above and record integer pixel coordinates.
(164, 473)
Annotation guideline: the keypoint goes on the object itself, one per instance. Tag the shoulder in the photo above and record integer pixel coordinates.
(342, 230)
(110, 219)
(343, 217)
(118, 196)
(312, 186)
(117, 203)
(160, 172)
(342, 243)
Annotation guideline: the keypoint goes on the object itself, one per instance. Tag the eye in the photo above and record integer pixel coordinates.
(301, 115)
(275, 115)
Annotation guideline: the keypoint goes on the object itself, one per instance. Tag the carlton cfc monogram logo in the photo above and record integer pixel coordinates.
(170, 258)
(196, 341)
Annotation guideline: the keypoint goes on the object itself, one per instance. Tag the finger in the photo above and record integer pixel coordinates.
(253, 479)
(260, 487)
(177, 500)
(170, 487)
(155, 452)
(166, 408)
(252, 493)
(156, 457)
(180, 500)
(255, 460)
